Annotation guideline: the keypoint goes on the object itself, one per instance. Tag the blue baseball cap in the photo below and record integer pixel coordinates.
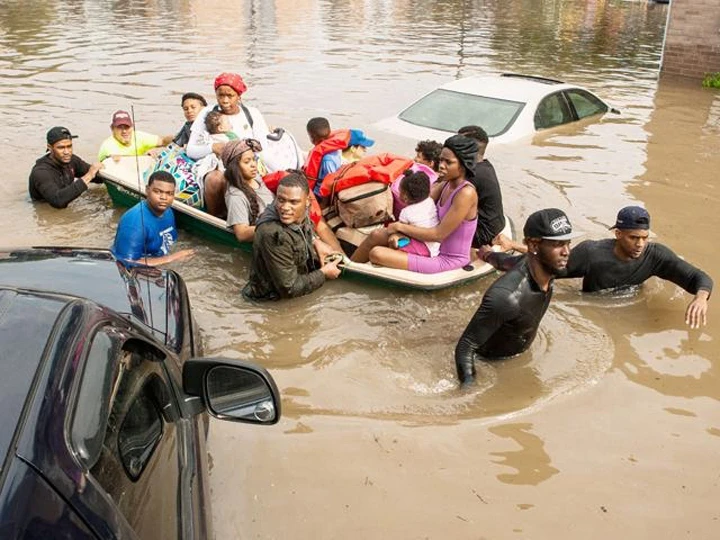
(358, 138)
(632, 217)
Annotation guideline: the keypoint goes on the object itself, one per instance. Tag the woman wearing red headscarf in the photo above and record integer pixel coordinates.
(246, 122)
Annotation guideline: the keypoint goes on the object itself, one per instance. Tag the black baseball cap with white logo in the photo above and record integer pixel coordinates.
(549, 224)
(59, 133)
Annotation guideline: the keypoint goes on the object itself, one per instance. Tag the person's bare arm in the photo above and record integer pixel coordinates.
(182, 255)
(465, 201)
(244, 232)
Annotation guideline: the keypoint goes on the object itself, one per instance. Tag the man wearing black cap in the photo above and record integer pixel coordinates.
(59, 177)
(629, 260)
(509, 315)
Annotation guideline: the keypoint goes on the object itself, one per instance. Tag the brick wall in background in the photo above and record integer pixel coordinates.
(692, 39)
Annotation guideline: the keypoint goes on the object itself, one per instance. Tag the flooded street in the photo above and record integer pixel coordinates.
(608, 426)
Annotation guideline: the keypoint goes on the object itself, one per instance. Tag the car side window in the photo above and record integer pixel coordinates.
(138, 465)
(552, 111)
(585, 103)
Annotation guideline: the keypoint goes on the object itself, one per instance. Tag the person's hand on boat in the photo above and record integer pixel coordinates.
(330, 269)
(508, 244)
(323, 249)
(483, 252)
(92, 172)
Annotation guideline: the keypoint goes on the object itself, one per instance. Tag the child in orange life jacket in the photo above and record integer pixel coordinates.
(420, 212)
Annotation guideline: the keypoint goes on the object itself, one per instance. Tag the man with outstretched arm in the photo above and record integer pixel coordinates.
(509, 315)
(146, 232)
(629, 260)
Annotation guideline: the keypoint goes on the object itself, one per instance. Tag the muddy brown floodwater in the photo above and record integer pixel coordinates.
(609, 426)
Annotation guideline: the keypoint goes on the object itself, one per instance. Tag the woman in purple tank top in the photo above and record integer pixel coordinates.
(456, 200)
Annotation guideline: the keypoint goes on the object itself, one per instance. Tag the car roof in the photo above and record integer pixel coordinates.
(135, 292)
(26, 322)
(508, 86)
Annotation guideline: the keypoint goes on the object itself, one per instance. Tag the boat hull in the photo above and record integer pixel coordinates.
(125, 187)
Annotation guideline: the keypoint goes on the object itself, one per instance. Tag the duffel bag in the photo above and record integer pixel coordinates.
(366, 204)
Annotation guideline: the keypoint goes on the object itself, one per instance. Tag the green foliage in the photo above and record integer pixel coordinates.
(711, 80)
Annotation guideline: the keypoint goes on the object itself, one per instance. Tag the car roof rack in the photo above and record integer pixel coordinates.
(533, 78)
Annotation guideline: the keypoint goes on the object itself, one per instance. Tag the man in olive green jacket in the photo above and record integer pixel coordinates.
(287, 255)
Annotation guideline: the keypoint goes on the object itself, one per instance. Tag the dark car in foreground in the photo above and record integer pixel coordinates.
(104, 399)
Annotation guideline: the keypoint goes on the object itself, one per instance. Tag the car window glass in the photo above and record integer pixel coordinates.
(585, 103)
(139, 461)
(140, 431)
(449, 111)
(91, 405)
(552, 111)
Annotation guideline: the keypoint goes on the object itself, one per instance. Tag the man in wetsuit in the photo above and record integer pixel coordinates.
(507, 320)
(491, 219)
(628, 260)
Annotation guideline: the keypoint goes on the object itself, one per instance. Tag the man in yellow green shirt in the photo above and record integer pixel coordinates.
(126, 141)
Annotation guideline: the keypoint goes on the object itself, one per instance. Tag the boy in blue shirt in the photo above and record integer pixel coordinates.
(147, 231)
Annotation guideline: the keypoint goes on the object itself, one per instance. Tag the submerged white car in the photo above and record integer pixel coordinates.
(508, 107)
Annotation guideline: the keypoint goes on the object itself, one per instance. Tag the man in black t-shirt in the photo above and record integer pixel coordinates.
(491, 218)
(509, 315)
(60, 177)
(629, 260)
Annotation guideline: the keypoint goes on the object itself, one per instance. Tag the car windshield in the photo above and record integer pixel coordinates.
(449, 111)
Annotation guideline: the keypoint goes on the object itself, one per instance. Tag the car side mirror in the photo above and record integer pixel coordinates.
(233, 390)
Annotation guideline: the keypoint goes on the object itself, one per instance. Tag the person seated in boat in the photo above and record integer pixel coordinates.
(192, 104)
(219, 127)
(246, 122)
(60, 177)
(318, 130)
(146, 232)
(420, 211)
(288, 258)
(246, 195)
(428, 153)
(128, 141)
(491, 218)
(456, 201)
(357, 150)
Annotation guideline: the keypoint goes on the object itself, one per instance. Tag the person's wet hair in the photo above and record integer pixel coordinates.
(318, 127)
(161, 176)
(295, 179)
(193, 95)
(430, 150)
(213, 121)
(415, 186)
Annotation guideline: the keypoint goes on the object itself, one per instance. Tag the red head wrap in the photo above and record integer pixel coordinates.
(233, 80)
